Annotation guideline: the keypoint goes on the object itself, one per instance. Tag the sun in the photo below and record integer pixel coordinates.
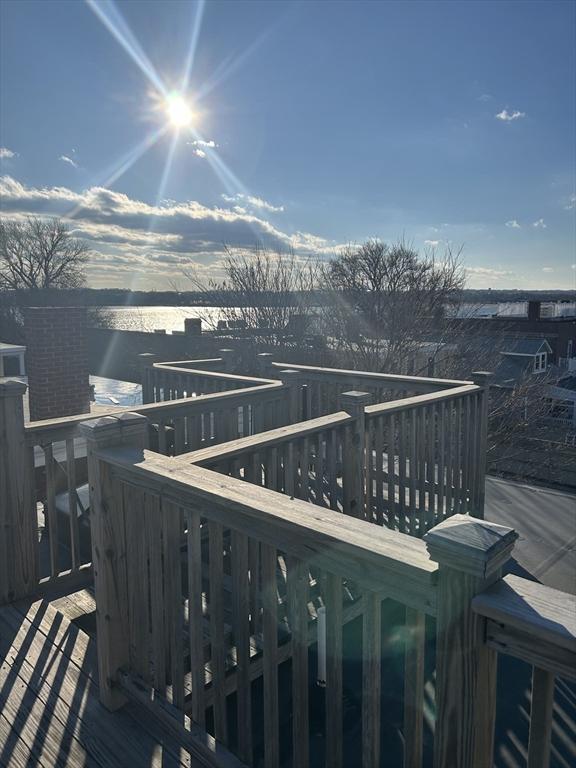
(178, 111)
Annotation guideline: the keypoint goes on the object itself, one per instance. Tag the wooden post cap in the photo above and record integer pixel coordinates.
(470, 545)
(124, 425)
(147, 358)
(12, 388)
(289, 373)
(482, 378)
(355, 398)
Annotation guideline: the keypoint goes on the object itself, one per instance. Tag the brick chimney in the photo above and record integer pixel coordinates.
(56, 361)
(534, 310)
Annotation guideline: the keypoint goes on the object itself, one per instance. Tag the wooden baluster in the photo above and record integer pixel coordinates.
(254, 562)
(440, 510)
(217, 648)
(305, 469)
(171, 534)
(137, 579)
(466, 454)
(471, 554)
(391, 471)
(370, 470)
(420, 415)
(371, 678)
(270, 657)
(297, 587)
(413, 413)
(51, 516)
(153, 527)
(541, 710)
(379, 472)
(241, 617)
(195, 615)
(179, 436)
(402, 471)
(448, 511)
(332, 446)
(414, 687)
(334, 690)
(431, 466)
(319, 470)
(72, 504)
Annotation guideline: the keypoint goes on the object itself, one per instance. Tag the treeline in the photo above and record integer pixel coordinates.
(107, 297)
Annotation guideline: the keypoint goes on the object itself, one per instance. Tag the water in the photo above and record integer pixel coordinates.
(168, 318)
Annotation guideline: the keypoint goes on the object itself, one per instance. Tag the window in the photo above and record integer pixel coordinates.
(540, 362)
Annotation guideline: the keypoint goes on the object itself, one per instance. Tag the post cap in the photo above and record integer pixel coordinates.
(355, 397)
(12, 388)
(482, 378)
(470, 545)
(121, 426)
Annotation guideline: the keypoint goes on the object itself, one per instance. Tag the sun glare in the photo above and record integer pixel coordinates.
(178, 111)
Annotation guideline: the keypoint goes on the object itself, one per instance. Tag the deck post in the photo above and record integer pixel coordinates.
(228, 359)
(109, 545)
(482, 379)
(18, 522)
(292, 380)
(146, 362)
(354, 454)
(264, 365)
(471, 554)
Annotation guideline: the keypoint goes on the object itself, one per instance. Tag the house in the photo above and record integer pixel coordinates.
(521, 357)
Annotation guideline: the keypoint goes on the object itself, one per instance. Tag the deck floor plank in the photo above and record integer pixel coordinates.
(51, 715)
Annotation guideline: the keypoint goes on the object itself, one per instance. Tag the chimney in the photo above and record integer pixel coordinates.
(57, 361)
(534, 310)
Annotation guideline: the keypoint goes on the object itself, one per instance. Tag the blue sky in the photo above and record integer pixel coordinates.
(323, 123)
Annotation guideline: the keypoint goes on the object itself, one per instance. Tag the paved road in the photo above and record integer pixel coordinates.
(546, 523)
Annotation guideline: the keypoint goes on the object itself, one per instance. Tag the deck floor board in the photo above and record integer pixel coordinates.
(51, 715)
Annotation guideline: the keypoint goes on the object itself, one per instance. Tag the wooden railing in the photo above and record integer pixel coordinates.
(406, 464)
(215, 597)
(176, 380)
(322, 387)
(194, 624)
(536, 624)
(44, 463)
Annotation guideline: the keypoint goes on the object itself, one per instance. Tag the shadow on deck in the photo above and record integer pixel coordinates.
(50, 714)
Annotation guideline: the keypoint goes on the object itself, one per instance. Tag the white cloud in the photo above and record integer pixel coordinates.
(199, 143)
(513, 224)
(547, 269)
(7, 154)
(432, 243)
(253, 202)
(508, 117)
(484, 97)
(200, 152)
(539, 224)
(185, 234)
(489, 272)
(570, 205)
(66, 159)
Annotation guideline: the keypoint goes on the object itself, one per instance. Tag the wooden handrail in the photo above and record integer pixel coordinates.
(66, 426)
(532, 622)
(377, 559)
(394, 381)
(214, 375)
(407, 403)
(264, 440)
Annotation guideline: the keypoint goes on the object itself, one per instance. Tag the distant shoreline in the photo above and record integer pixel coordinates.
(107, 297)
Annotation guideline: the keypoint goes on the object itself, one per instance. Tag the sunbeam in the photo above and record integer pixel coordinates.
(110, 16)
(196, 26)
(119, 168)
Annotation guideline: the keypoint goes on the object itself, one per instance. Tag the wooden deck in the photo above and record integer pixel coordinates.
(49, 709)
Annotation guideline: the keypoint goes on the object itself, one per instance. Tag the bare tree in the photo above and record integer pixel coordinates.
(381, 299)
(40, 253)
(261, 291)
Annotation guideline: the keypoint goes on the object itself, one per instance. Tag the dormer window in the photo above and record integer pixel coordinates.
(540, 362)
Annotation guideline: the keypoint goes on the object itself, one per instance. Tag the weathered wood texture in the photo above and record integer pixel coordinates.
(18, 526)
